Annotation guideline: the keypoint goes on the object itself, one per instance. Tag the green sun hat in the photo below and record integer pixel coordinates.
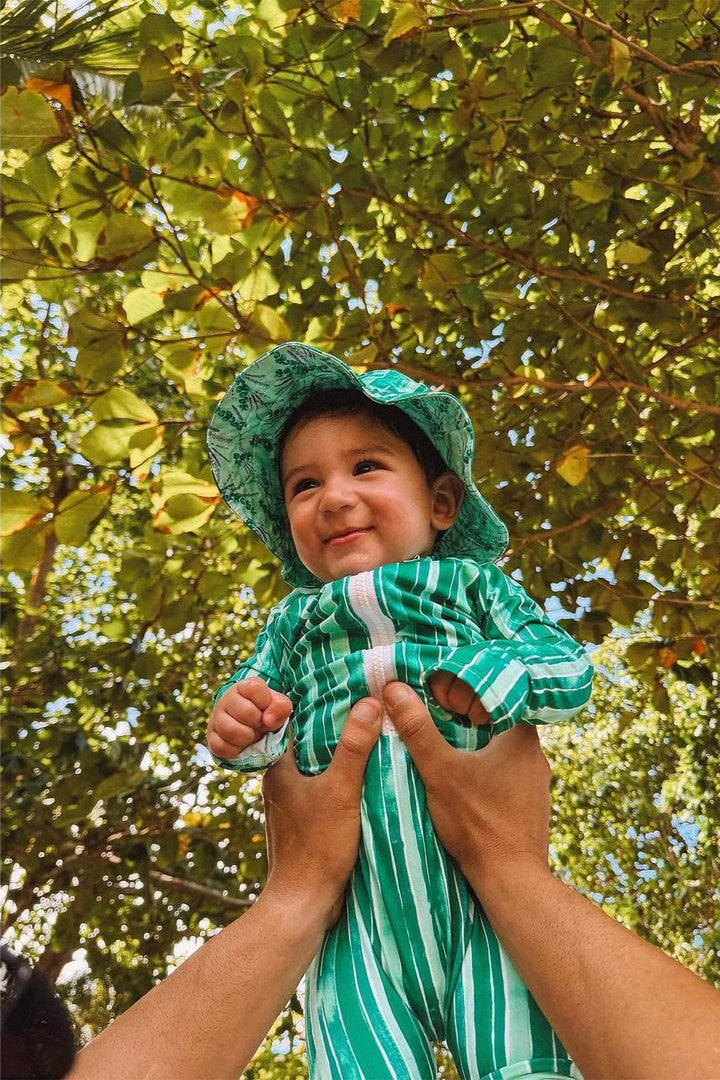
(244, 435)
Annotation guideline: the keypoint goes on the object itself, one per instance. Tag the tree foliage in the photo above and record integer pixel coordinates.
(510, 201)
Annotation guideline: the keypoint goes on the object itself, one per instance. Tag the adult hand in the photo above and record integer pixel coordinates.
(488, 806)
(620, 1006)
(313, 822)
(187, 1027)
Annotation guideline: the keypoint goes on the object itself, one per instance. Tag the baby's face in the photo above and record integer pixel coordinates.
(356, 497)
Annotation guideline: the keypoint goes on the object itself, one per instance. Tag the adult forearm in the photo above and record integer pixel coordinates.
(622, 1008)
(208, 1017)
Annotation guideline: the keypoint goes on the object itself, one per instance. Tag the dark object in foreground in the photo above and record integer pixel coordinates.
(38, 1041)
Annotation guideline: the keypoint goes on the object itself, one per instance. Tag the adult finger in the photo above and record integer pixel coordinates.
(278, 779)
(282, 769)
(517, 750)
(359, 735)
(415, 726)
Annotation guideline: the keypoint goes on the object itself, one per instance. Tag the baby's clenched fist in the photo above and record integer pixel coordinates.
(456, 696)
(245, 712)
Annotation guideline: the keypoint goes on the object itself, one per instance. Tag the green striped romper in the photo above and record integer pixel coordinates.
(413, 959)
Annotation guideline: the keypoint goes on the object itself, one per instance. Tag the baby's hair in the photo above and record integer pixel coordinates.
(354, 403)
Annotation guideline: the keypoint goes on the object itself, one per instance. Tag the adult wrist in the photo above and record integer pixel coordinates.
(314, 906)
(496, 875)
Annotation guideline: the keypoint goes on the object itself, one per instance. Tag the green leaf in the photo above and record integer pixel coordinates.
(258, 284)
(122, 404)
(107, 443)
(591, 191)
(157, 81)
(42, 178)
(150, 601)
(160, 30)
(641, 654)
(26, 120)
(213, 585)
(267, 322)
(144, 445)
(119, 784)
(631, 254)
(620, 60)
(37, 394)
(23, 549)
(101, 366)
(79, 511)
(124, 235)
(140, 304)
(442, 272)
(20, 509)
(175, 616)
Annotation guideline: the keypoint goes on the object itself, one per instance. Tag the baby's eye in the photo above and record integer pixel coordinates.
(365, 467)
(304, 485)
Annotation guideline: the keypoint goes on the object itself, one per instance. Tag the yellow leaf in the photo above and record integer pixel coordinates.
(574, 464)
(409, 19)
(184, 513)
(57, 91)
(172, 482)
(620, 58)
(345, 11)
(238, 211)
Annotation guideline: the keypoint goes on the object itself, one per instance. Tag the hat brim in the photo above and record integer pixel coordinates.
(244, 434)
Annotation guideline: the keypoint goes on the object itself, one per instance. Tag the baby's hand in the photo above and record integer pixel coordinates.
(245, 712)
(456, 696)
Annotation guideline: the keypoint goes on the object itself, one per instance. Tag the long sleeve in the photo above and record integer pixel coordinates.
(528, 668)
(265, 662)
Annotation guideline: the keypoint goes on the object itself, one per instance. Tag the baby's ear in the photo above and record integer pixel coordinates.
(448, 494)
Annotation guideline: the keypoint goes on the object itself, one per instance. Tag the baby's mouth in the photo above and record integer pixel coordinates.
(346, 536)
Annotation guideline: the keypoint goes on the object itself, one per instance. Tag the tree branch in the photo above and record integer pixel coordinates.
(166, 881)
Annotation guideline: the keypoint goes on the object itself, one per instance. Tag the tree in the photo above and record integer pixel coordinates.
(513, 202)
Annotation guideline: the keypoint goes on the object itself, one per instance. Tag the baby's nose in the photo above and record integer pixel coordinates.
(337, 495)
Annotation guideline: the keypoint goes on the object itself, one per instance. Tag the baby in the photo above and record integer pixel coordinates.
(363, 487)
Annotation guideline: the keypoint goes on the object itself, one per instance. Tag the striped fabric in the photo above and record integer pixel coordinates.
(413, 959)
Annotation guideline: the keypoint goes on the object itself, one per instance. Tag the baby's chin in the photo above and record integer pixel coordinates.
(360, 564)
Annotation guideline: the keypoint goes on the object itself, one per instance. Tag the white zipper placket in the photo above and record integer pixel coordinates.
(378, 660)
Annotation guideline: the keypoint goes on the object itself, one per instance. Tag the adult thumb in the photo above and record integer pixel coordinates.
(357, 739)
(415, 727)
